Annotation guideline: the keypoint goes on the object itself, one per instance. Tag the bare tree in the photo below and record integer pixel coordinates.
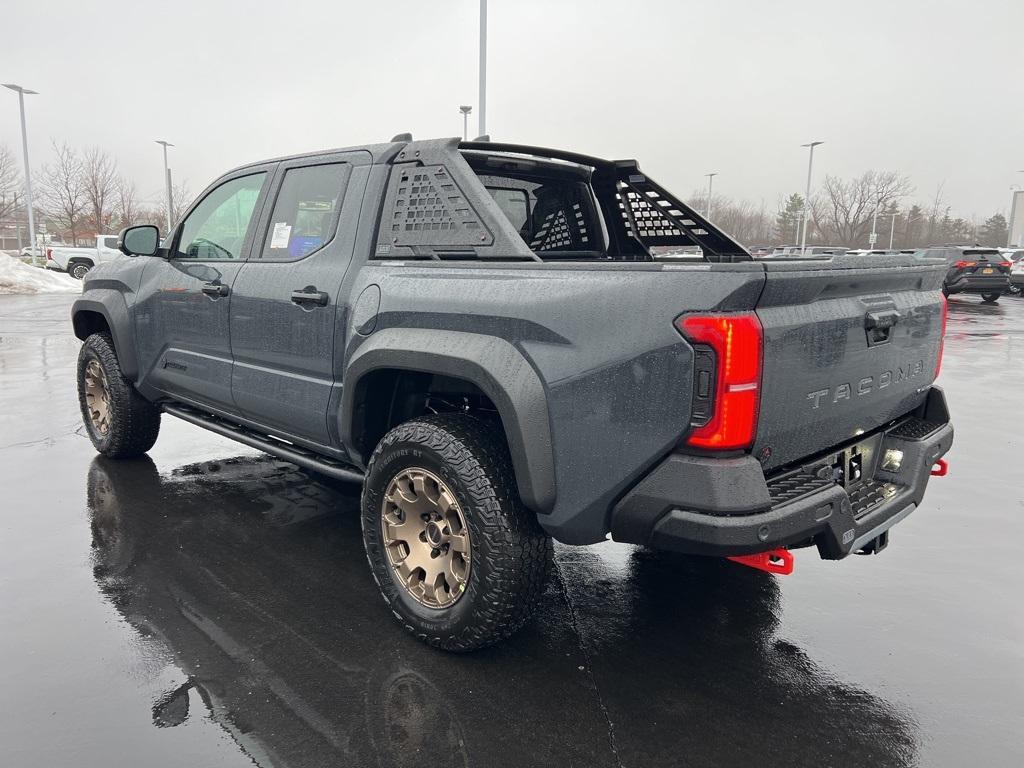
(843, 209)
(63, 193)
(128, 211)
(937, 213)
(10, 181)
(181, 198)
(99, 177)
(742, 219)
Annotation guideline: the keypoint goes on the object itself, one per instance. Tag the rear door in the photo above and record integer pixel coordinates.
(183, 305)
(286, 301)
(106, 248)
(849, 344)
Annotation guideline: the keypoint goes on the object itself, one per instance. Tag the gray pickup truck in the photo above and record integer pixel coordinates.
(507, 345)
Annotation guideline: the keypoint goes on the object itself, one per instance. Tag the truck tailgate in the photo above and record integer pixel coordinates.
(849, 344)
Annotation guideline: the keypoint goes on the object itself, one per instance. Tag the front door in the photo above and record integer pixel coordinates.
(285, 308)
(182, 310)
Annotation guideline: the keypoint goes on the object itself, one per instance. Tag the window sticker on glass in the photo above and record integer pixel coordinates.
(305, 212)
(282, 232)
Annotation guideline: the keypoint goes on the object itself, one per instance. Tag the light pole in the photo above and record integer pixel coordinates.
(711, 179)
(874, 221)
(22, 92)
(482, 101)
(465, 110)
(167, 183)
(892, 225)
(807, 195)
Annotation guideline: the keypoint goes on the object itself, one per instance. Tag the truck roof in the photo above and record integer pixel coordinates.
(384, 152)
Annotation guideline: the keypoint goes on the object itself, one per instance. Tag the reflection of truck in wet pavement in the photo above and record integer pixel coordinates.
(486, 337)
(247, 574)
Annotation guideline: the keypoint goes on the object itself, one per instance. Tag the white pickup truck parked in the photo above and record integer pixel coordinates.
(78, 261)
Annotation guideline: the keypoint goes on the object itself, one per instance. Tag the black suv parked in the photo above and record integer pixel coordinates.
(973, 269)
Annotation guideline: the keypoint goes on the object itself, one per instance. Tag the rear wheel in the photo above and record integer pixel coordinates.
(79, 270)
(120, 422)
(990, 298)
(457, 557)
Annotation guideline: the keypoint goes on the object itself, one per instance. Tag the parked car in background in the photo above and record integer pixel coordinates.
(28, 252)
(795, 251)
(972, 269)
(1017, 277)
(78, 261)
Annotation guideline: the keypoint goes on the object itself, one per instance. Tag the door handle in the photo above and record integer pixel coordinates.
(310, 295)
(215, 289)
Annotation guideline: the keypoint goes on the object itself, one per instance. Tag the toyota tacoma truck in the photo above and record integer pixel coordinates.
(507, 345)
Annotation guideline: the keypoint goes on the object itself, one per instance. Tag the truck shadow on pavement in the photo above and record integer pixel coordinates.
(252, 574)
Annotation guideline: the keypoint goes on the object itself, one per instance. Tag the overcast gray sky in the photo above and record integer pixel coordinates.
(931, 89)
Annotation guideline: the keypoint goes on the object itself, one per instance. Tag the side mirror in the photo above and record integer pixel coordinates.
(143, 240)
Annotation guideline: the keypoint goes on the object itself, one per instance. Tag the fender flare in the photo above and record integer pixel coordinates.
(111, 305)
(494, 365)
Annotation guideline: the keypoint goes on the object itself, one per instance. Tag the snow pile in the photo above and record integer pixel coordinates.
(16, 277)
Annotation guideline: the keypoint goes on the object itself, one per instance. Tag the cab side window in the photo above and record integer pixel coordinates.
(216, 228)
(305, 214)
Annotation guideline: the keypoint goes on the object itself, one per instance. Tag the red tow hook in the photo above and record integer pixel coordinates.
(778, 561)
(941, 468)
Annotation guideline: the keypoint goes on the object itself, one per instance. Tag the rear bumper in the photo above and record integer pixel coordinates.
(973, 284)
(722, 507)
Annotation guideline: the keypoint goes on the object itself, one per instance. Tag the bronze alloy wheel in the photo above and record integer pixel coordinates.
(426, 537)
(97, 397)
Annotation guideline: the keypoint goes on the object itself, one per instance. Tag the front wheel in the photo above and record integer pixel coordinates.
(79, 270)
(990, 298)
(457, 557)
(120, 422)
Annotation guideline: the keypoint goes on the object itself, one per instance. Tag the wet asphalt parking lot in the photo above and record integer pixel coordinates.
(211, 606)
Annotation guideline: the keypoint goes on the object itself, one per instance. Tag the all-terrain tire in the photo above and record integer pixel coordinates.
(510, 553)
(990, 298)
(134, 422)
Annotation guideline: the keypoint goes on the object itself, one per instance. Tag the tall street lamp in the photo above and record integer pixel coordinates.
(807, 195)
(711, 179)
(465, 109)
(874, 221)
(22, 92)
(482, 101)
(167, 183)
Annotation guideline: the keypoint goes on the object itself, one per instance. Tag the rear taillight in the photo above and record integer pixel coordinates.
(735, 342)
(942, 337)
(49, 254)
(962, 264)
(1007, 264)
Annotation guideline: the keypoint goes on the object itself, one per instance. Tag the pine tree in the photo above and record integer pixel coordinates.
(994, 232)
(787, 220)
